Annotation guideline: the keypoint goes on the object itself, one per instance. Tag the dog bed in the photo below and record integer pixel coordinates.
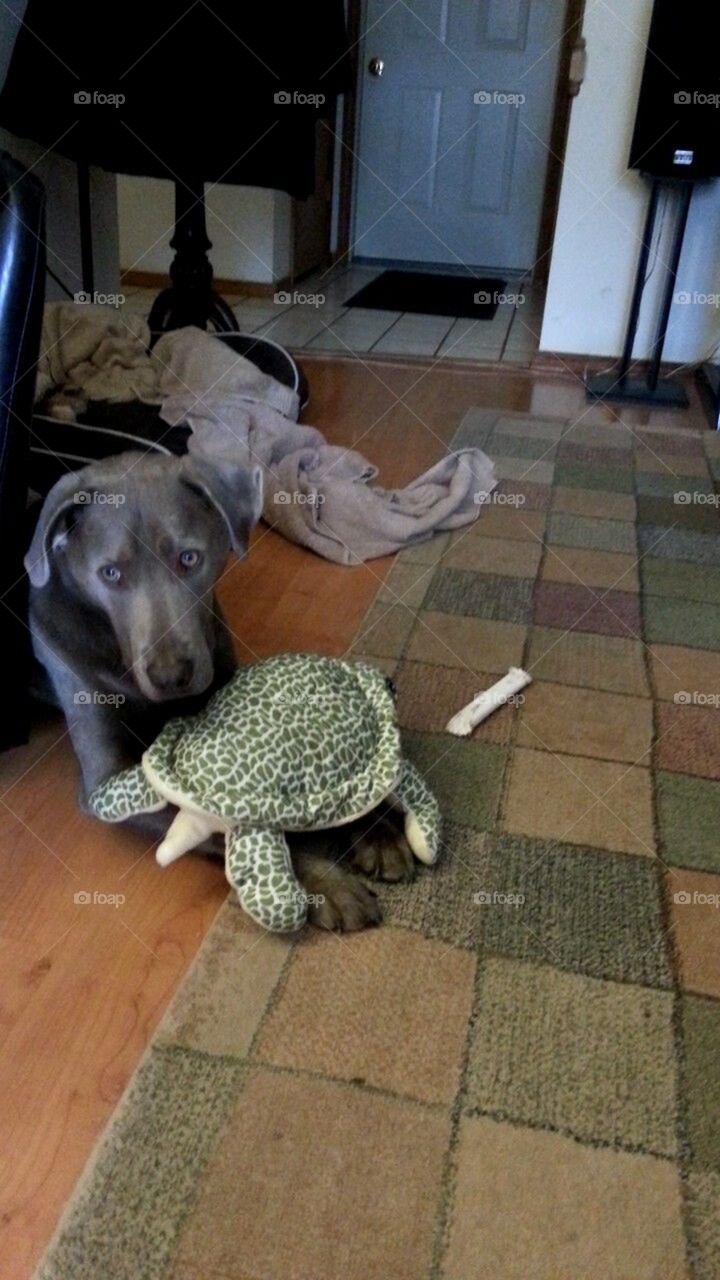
(106, 428)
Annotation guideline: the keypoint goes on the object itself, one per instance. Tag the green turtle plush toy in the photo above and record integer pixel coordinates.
(293, 743)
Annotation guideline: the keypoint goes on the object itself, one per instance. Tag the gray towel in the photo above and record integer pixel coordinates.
(316, 494)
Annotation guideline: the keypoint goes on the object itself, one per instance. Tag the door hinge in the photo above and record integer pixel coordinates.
(578, 67)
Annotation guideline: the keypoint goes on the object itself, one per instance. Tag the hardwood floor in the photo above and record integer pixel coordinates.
(84, 983)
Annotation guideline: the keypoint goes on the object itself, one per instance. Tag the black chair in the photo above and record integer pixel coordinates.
(22, 290)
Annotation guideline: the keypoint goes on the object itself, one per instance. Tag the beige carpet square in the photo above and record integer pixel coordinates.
(538, 1206)
(315, 1181)
(586, 722)
(450, 640)
(580, 658)
(595, 503)
(612, 570)
(695, 915)
(428, 696)
(509, 522)
(693, 671)
(506, 556)
(219, 1006)
(581, 801)
(359, 1007)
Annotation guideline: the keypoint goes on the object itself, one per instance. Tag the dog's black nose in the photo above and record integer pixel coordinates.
(170, 675)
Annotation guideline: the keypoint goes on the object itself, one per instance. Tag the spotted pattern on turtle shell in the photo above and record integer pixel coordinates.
(295, 742)
(298, 741)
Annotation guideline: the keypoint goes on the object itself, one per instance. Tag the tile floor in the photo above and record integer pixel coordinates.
(301, 322)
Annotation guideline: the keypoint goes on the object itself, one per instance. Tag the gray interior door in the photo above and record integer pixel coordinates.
(453, 133)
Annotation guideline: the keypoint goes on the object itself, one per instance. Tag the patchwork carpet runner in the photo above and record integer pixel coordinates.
(518, 1075)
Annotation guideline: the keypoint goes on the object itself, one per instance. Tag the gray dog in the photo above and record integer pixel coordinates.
(122, 567)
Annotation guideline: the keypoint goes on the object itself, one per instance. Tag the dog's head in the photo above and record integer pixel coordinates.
(143, 538)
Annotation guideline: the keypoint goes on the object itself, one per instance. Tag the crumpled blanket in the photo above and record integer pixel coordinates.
(87, 351)
(316, 494)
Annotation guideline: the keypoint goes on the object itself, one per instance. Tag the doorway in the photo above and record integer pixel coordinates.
(459, 116)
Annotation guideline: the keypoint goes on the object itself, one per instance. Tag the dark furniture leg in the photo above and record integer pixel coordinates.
(22, 271)
(190, 299)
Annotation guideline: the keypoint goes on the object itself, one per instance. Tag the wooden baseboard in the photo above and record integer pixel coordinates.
(241, 288)
(560, 362)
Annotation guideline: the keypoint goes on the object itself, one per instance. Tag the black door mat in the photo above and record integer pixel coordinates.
(472, 297)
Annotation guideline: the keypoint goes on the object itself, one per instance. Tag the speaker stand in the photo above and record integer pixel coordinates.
(652, 389)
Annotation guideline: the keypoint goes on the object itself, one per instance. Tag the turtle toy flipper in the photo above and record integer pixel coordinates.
(124, 795)
(258, 866)
(422, 813)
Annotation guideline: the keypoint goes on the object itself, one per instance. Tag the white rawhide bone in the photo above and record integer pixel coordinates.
(483, 704)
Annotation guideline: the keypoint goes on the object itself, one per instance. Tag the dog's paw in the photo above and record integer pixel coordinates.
(382, 853)
(343, 903)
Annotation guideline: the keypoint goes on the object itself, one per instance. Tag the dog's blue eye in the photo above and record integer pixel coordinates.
(110, 573)
(189, 559)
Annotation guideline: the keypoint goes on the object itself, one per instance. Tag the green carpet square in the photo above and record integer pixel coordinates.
(588, 911)
(503, 446)
(682, 581)
(125, 1224)
(689, 819)
(529, 426)
(680, 514)
(466, 776)
(562, 1051)
(480, 595)
(702, 1219)
(665, 543)
(582, 475)
(665, 486)
(586, 531)
(683, 622)
(442, 901)
(701, 1079)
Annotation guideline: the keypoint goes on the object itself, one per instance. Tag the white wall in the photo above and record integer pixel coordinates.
(59, 177)
(249, 228)
(602, 212)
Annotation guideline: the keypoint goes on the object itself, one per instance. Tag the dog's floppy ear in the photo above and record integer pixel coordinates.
(236, 492)
(67, 494)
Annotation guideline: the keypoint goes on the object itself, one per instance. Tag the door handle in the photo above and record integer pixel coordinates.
(376, 66)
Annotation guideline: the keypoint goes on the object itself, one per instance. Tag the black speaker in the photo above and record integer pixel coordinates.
(677, 129)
